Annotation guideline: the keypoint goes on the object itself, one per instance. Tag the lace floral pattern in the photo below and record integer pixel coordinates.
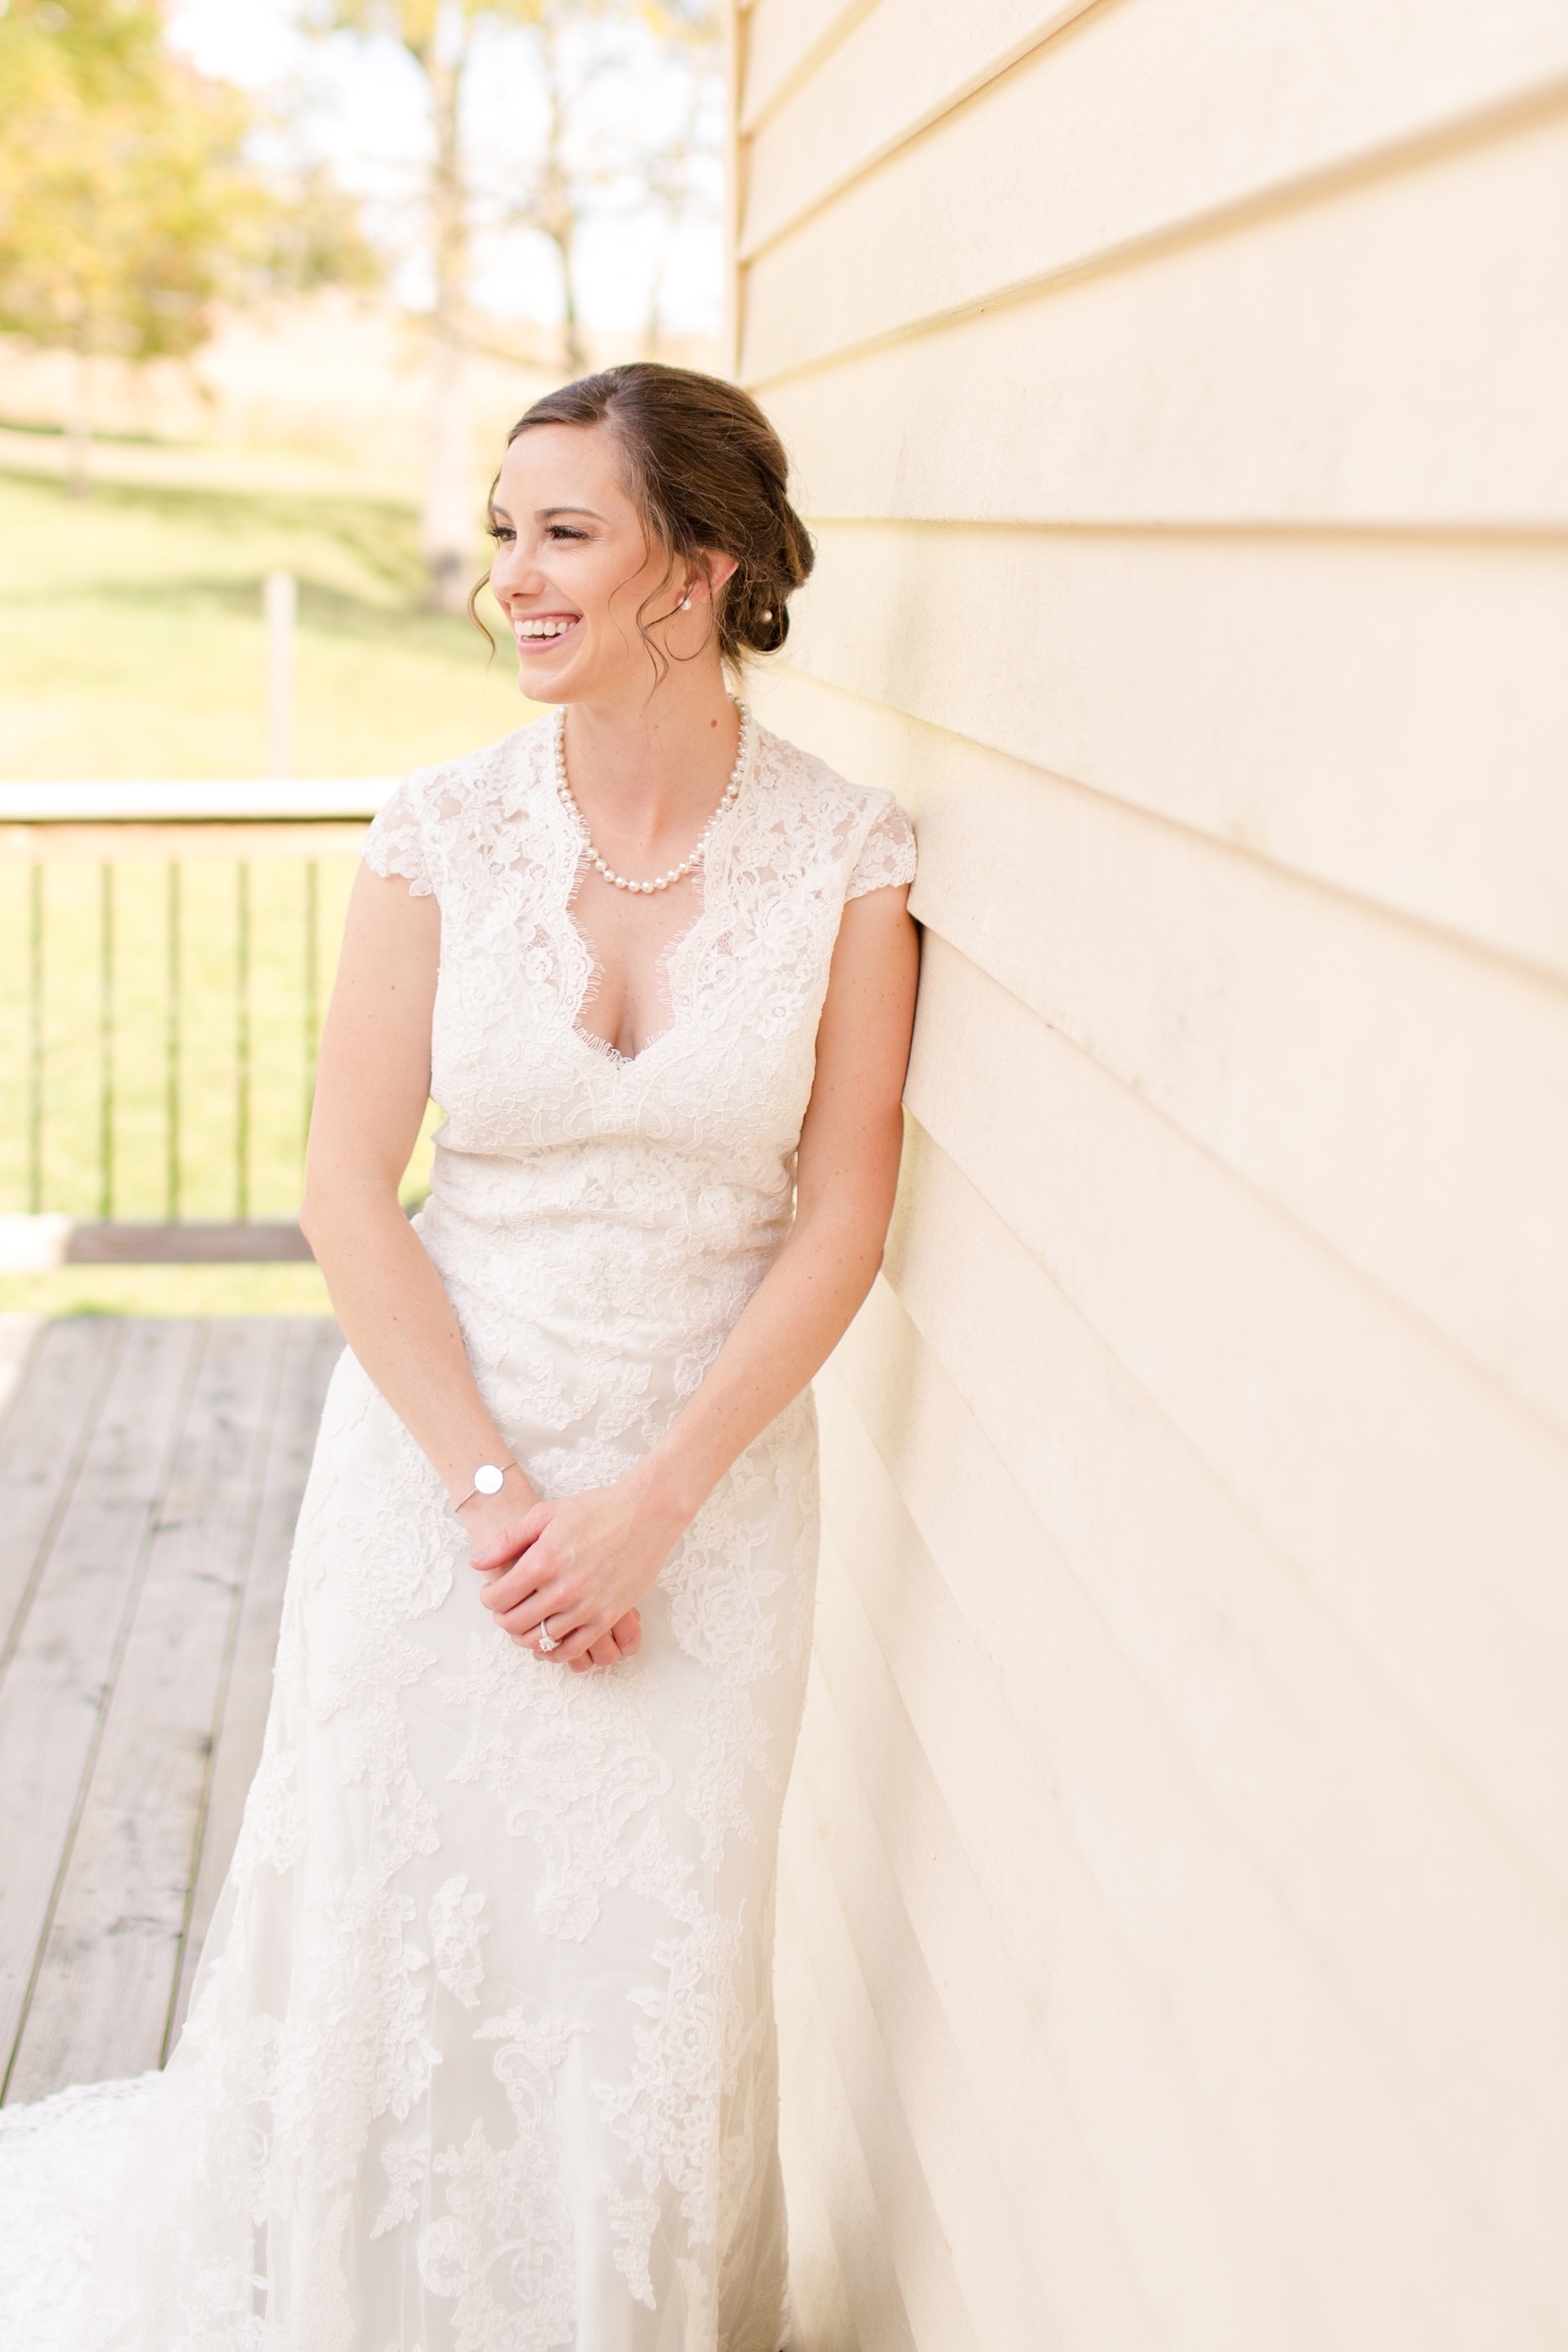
(481, 2054)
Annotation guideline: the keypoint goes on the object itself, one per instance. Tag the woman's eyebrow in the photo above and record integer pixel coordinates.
(546, 514)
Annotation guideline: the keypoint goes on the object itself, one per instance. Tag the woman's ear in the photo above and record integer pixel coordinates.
(709, 575)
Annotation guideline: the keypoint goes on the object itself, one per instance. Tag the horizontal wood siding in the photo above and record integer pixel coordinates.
(1175, 1904)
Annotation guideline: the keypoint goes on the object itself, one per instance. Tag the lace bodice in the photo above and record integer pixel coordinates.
(565, 1171)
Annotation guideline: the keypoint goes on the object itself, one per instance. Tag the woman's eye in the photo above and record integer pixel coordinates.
(564, 531)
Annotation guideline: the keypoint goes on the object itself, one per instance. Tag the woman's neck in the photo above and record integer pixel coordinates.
(654, 758)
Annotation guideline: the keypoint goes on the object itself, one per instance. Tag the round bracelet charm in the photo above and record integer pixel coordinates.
(491, 1476)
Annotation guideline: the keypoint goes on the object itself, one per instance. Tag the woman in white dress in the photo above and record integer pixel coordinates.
(481, 2053)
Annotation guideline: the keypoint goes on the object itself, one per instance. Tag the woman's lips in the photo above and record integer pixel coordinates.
(566, 625)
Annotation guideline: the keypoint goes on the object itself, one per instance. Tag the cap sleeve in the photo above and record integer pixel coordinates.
(396, 842)
(886, 855)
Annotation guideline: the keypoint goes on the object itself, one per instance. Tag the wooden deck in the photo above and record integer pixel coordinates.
(149, 1476)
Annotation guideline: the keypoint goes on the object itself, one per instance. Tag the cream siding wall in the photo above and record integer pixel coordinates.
(1174, 1911)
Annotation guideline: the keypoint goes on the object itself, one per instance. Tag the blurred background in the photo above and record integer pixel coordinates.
(275, 278)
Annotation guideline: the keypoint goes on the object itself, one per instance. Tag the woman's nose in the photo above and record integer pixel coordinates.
(515, 572)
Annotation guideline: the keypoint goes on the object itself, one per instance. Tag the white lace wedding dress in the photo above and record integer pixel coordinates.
(481, 2056)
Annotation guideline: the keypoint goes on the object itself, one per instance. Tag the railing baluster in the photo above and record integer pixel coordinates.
(106, 1040)
(102, 1119)
(312, 991)
(242, 1042)
(172, 1050)
(36, 1041)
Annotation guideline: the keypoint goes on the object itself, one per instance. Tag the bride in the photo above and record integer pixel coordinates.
(481, 2052)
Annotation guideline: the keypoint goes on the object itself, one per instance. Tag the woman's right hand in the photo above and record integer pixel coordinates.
(495, 1526)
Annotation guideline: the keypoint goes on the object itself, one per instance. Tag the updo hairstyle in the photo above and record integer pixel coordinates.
(705, 471)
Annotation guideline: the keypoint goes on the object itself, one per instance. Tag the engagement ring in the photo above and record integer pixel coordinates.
(545, 1642)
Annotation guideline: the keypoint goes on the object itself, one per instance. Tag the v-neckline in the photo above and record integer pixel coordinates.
(722, 821)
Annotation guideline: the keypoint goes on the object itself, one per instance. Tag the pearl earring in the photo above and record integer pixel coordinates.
(686, 604)
(769, 614)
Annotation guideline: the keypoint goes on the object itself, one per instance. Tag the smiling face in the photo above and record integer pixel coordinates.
(573, 571)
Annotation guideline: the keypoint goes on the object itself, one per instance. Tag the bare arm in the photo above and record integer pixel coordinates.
(846, 1174)
(371, 1087)
(594, 1555)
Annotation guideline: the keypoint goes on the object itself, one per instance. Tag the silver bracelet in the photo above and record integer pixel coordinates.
(488, 1479)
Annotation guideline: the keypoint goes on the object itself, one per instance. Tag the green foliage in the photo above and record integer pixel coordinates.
(424, 26)
(97, 49)
(128, 206)
(695, 23)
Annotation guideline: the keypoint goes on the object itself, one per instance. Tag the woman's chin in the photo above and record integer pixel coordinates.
(537, 682)
(559, 676)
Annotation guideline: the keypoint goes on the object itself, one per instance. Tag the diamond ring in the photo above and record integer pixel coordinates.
(545, 1642)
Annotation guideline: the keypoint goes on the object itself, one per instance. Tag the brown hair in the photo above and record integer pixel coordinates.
(705, 471)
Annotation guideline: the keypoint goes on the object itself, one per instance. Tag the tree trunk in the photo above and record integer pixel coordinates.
(79, 430)
(674, 187)
(571, 343)
(557, 211)
(653, 321)
(449, 523)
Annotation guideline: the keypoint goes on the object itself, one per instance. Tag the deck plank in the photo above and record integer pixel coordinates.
(312, 1351)
(71, 1634)
(52, 1410)
(152, 1474)
(19, 1335)
(106, 1980)
(255, 1241)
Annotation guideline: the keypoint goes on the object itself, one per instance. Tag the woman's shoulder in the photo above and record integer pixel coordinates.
(861, 825)
(494, 773)
(808, 777)
(431, 805)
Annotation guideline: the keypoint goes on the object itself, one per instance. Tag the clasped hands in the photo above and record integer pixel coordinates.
(581, 1563)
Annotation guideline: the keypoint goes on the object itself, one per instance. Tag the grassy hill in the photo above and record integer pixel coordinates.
(132, 645)
(132, 640)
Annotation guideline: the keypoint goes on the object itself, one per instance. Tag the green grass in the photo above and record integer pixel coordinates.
(208, 1127)
(209, 1000)
(132, 645)
(131, 641)
(166, 1290)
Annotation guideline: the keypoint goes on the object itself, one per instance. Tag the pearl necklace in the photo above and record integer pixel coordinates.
(687, 864)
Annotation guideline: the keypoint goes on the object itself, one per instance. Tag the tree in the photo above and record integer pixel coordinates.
(692, 32)
(569, 181)
(575, 44)
(439, 35)
(128, 208)
(553, 204)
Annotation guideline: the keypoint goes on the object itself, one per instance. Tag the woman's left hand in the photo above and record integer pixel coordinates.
(587, 1562)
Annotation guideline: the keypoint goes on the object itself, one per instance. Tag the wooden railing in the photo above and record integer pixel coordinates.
(165, 952)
